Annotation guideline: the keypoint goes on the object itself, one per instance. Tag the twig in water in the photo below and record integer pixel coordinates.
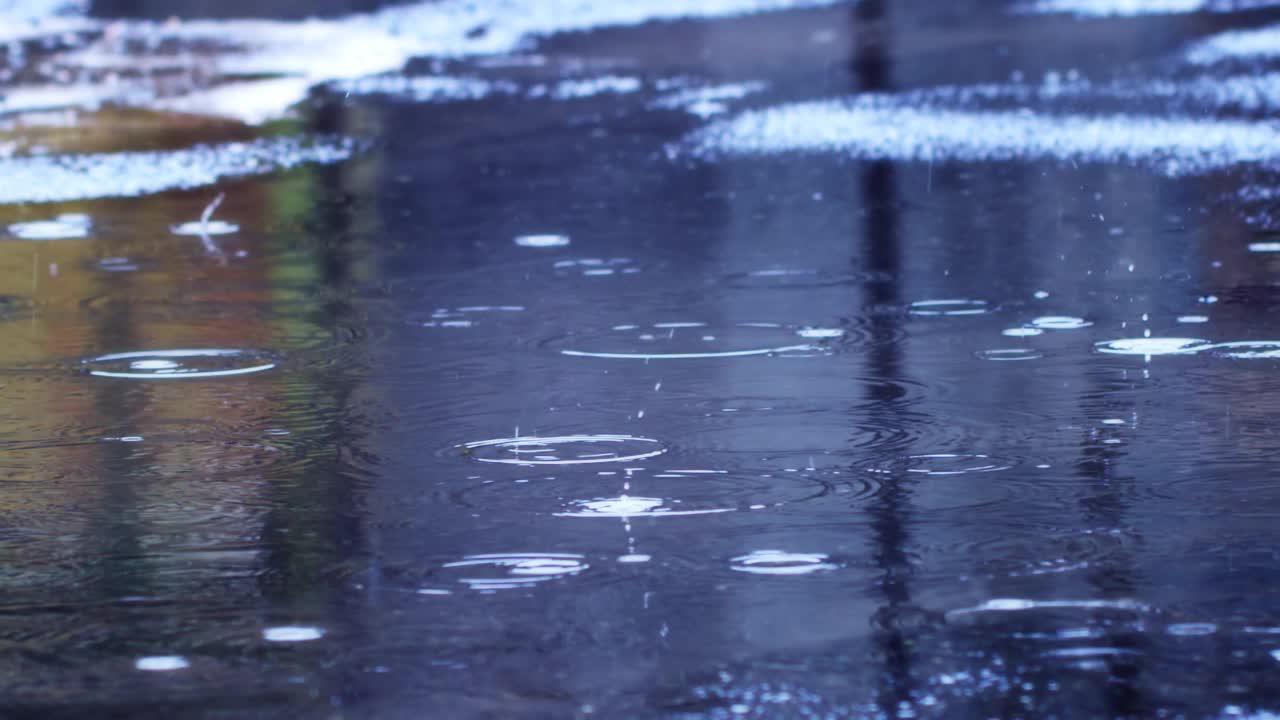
(210, 245)
(209, 209)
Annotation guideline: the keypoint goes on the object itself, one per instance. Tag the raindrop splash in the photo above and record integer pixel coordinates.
(179, 364)
(563, 450)
(949, 307)
(515, 570)
(777, 562)
(63, 227)
(542, 241)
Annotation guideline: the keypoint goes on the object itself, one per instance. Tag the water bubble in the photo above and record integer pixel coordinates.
(161, 663)
(1247, 350)
(1193, 319)
(1060, 322)
(1009, 354)
(542, 241)
(1152, 346)
(949, 307)
(634, 558)
(292, 633)
(944, 464)
(626, 507)
(564, 450)
(63, 227)
(1264, 247)
(777, 562)
(514, 570)
(213, 227)
(1022, 332)
(179, 364)
(694, 340)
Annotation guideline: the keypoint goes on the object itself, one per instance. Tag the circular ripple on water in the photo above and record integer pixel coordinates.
(942, 464)
(1033, 547)
(1247, 350)
(63, 227)
(1059, 322)
(947, 481)
(778, 562)
(636, 492)
(1009, 354)
(696, 340)
(950, 307)
(210, 228)
(1151, 346)
(180, 364)
(798, 278)
(510, 571)
(563, 450)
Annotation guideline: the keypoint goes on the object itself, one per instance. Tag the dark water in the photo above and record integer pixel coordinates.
(724, 454)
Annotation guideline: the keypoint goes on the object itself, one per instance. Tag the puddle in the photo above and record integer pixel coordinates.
(45, 179)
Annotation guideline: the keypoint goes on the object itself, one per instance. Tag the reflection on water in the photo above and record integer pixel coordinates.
(530, 373)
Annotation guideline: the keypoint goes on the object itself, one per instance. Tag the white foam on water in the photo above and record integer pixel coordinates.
(1193, 319)
(129, 174)
(707, 101)
(1131, 8)
(290, 57)
(590, 87)
(1022, 332)
(26, 19)
(1264, 247)
(883, 128)
(1236, 44)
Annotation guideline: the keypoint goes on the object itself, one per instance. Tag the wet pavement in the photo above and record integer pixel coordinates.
(743, 358)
